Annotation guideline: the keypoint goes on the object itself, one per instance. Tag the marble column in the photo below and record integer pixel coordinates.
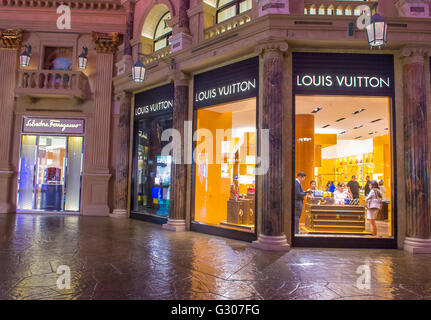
(96, 167)
(416, 161)
(10, 45)
(123, 137)
(122, 158)
(178, 192)
(181, 37)
(272, 234)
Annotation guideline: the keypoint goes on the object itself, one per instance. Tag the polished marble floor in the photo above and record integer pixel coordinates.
(130, 259)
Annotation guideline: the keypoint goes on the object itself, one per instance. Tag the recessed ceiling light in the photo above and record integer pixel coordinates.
(358, 111)
(343, 132)
(371, 133)
(341, 119)
(358, 137)
(376, 120)
(317, 110)
(358, 127)
(326, 126)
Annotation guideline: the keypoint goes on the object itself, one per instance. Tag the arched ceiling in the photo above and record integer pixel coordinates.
(152, 19)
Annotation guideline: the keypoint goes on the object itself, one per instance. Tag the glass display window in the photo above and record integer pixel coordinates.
(343, 144)
(152, 181)
(225, 157)
(50, 172)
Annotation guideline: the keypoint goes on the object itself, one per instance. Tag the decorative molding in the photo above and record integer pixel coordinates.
(271, 46)
(415, 52)
(11, 38)
(106, 42)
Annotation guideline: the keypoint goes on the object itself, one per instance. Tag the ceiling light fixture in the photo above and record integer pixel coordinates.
(376, 120)
(341, 119)
(358, 127)
(358, 137)
(328, 125)
(317, 110)
(358, 111)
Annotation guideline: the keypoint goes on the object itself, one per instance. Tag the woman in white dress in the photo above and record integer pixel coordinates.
(373, 201)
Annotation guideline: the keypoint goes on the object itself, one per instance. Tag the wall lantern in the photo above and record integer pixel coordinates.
(376, 31)
(82, 59)
(138, 71)
(24, 58)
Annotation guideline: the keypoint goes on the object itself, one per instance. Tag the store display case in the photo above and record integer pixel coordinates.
(322, 216)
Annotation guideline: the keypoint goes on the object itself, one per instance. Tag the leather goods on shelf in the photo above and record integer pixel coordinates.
(240, 211)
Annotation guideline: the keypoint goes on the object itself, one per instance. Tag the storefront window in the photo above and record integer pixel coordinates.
(343, 146)
(153, 171)
(225, 163)
(162, 33)
(50, 173)
(227, 9)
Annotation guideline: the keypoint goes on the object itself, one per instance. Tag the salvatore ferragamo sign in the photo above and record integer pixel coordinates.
(56, 126)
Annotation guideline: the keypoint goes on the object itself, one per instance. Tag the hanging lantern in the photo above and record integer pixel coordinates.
(24, 58)
(82, 59)
(376, 31)
(138, 72)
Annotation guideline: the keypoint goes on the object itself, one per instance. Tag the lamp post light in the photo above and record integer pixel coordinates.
(376, 31)
(82, 59)
(138, 70)
(24, 58)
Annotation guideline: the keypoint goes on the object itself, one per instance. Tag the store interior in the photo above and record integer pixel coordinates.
(337, 137)
(225, 163)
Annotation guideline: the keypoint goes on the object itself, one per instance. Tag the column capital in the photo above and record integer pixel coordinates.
(106, 42)
(416, 53)
(179, 78)
(272, 46)
(123, 95)
(11, 38)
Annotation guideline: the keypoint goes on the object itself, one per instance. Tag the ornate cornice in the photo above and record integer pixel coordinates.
(11, 38)
(77, 5)
(271, 46)
(106, 42)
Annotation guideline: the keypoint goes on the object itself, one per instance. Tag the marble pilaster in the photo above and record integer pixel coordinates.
(272, 235)
(122, 158)
(178, 192)
(96, 172)
(10, 45)
(416, 161)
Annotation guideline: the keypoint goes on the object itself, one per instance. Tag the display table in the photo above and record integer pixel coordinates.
(335, 219)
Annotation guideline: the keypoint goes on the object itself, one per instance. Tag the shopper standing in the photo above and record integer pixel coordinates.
(353, 186)
(367, 186)
(374, 203)
(299, 198)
